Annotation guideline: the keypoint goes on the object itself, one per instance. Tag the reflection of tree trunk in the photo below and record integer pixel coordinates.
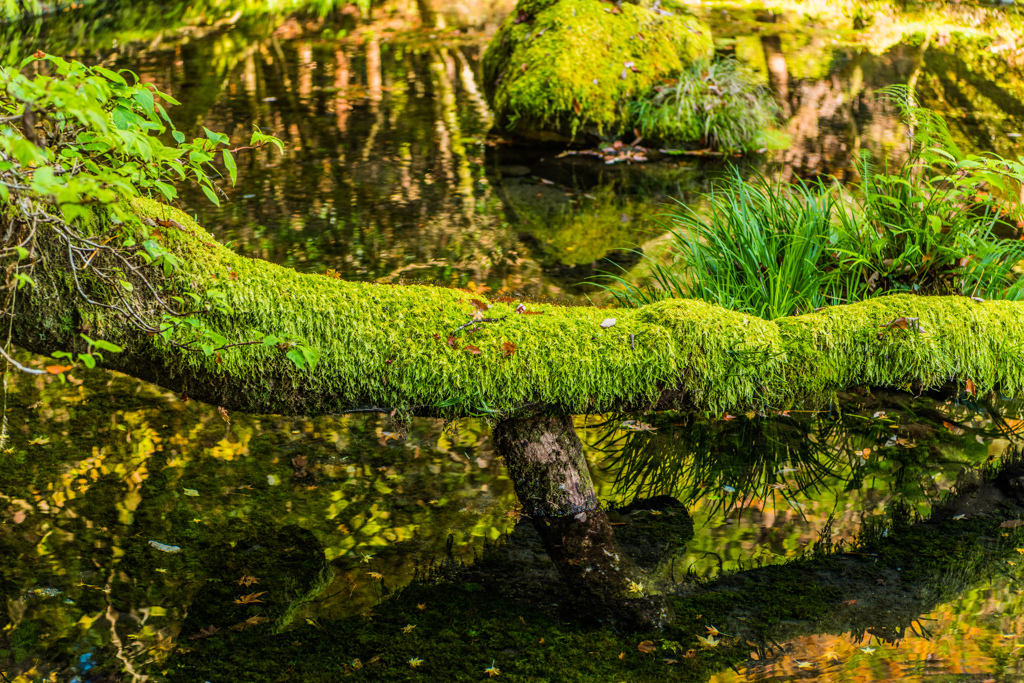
(449, 128)
(374, 79)
(545, 461)
(428, 16)
(778, 73)
(341, 103)
(918, 63)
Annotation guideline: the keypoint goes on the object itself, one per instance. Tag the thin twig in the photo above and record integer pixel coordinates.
(474, 322)
(19, 366)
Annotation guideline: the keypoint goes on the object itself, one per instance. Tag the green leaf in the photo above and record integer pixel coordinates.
(22, 253)
(211, 195)
(110, 75)
(127, 285)
(229, 163)
(178, 136)
(296, 357)
(145, 99)
(107, 346)
(216, 138)
(88, 359)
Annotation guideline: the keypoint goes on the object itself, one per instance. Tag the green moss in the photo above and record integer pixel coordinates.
(561, 68)
(388, 346)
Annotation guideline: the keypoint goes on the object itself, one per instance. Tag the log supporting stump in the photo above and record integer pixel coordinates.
(545, 460)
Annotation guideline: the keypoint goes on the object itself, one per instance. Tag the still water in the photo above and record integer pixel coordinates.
(118, 500)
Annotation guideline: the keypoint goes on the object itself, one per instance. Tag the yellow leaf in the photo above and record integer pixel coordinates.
(415, 662)
(408, 628)
(709, 641)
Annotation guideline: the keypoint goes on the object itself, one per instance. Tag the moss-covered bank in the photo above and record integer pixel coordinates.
(402, 347)
(559, 68)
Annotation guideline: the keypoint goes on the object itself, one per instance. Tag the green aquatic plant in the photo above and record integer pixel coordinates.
(716, 103)
(932, 226)
(759, 248)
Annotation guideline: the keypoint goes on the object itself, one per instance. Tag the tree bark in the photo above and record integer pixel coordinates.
(545, 460)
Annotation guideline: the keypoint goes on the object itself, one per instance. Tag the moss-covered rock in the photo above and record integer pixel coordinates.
(556, 70)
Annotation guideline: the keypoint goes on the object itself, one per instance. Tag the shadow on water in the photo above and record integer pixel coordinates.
(144, 534)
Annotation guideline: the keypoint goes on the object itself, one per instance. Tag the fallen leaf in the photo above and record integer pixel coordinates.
(647, 647)
(970, 388)
(1012, 523)
(224, 414)
(622, 655)
(375, 575)
(247, 580)
(191, 492)
(508, 348)
(867, 650)
(607, 322)
(58, 369)
(415, 662)
(39, 441)
(577, 107)
(902, 323)
(453, 342)
(472, 349)
(408, 628)
(710, 641)
(38, 54)
(249, 599)
(421, 606)
(479, 305)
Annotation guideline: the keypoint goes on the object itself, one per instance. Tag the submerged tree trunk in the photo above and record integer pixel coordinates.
(545, 460)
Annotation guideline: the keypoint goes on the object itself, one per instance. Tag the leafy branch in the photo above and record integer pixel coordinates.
(77, 145)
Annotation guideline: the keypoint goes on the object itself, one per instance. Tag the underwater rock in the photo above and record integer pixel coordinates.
(653, 530)
(559, 70)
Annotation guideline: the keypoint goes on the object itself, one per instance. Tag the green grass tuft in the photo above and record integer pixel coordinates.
(716, 103)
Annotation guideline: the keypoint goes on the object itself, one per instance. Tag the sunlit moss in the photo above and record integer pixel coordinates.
(388, 346)
(558, 68)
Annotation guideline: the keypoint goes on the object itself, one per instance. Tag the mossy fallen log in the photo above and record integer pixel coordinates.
(409, 348)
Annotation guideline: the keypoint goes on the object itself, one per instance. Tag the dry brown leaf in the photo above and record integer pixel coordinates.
(249, 599)
(479, 305)
(508, 348)
(970, 388)
(647, 647)
(472, 349)
(1012, 524)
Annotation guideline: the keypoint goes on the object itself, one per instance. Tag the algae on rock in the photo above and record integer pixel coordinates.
(558, 69)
